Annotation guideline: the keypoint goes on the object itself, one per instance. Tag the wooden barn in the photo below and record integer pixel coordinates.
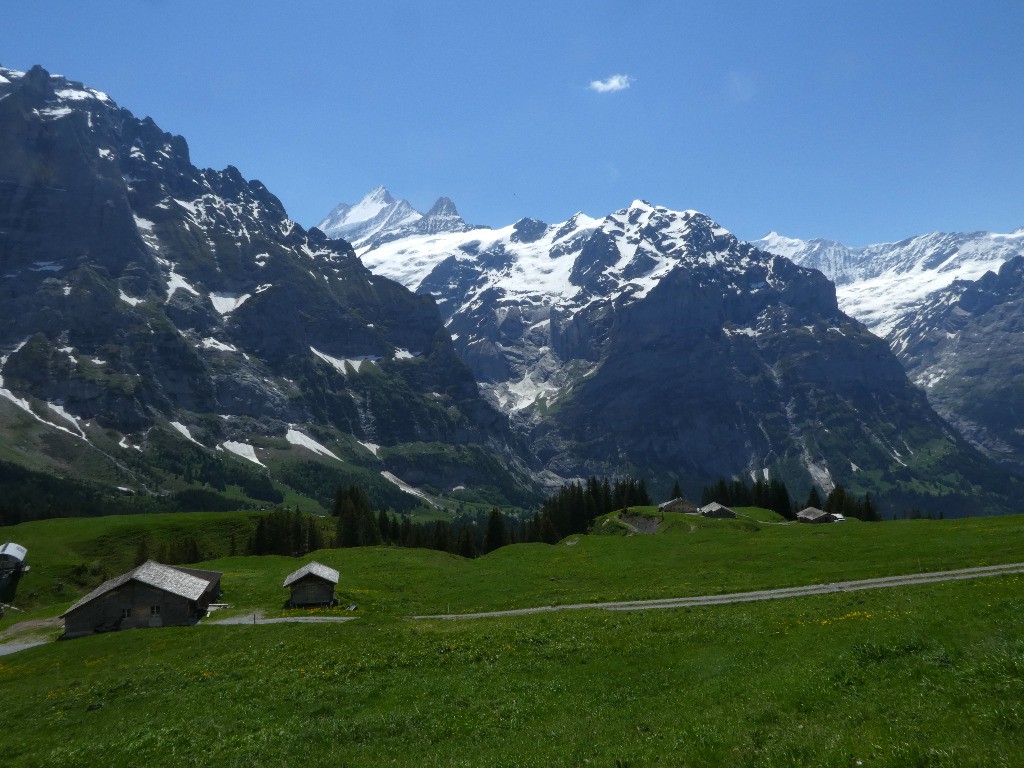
(714, 509)
(312, 584)
(815, 515)
(12, 557)
(152, 595)
(677, 505)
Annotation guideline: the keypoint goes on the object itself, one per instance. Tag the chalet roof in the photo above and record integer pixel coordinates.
(714, 506)
(811, 513)
(13, 550)
(312, 569)
(677, 502)
(153, 574)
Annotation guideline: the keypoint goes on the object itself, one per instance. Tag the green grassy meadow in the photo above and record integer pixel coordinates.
(929, 675)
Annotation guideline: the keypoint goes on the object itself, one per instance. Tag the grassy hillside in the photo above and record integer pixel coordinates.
(924, 676)
(920, 676)
(692, 555)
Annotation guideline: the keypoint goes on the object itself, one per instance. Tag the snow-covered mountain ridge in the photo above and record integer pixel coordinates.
(379, 217)
(653, 341)
(542, 275)
(880, 284)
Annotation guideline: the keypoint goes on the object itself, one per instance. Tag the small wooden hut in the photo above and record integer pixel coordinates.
(152, 595)
(312, 584)
(677, 505)
(714, 509)
(815, 515)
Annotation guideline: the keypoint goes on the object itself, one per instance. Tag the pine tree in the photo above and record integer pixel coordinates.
(465, 545)
(497, 532)
(677, 492)
(813, 499)
(142, 551)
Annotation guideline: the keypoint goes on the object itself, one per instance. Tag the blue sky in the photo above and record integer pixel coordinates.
(859, 121)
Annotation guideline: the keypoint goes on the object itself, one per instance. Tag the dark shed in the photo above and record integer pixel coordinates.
(312, 584)
(152, 595)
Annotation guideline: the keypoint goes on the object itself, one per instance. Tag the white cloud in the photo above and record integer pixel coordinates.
(613, 83)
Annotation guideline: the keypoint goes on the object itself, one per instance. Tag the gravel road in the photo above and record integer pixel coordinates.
(257, 618)
(762, 594)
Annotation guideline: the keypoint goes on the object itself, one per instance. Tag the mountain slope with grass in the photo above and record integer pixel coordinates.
(165, 328)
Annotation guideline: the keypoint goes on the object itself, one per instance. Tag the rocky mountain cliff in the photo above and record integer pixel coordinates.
(963, 347)
(164, 327)
(948, 304)
(652, 341)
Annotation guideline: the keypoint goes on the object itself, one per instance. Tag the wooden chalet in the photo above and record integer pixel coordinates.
(312, 584)
(677, 505)
(152, 595)
(714, 509)
(815, 515)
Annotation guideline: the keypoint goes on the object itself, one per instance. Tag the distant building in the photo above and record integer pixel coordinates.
(815, 515)
(714, 509)
(152, 595)
(677, 505)
(12, 557)
(312, 584)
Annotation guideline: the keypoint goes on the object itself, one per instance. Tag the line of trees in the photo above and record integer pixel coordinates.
(769, 494)
(572, 509)
(847, 504)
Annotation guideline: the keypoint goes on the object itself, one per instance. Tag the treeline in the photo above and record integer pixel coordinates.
(572, 509)
(774, 495)
(357, 525)
(847, 504)
(768, 494)
(575, 506)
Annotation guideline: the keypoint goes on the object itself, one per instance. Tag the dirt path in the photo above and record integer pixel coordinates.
(27, 634)
(762, 594)
(256, 617)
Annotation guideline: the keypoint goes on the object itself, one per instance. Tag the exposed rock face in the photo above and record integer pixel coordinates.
(137, 290)
(652, 341)
(963, 347)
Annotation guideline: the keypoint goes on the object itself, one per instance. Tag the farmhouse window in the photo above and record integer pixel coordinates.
(126, 613)
(154, 610)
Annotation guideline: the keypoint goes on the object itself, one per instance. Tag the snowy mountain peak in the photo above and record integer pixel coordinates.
(59, 92)
(381, 193)
(443, 207)
(380, 218)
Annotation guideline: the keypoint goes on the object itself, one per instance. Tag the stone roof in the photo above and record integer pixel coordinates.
(811, 513)
(16, 551)
(714, 506)
(153, 574)
(677, 503)
(312, 569)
